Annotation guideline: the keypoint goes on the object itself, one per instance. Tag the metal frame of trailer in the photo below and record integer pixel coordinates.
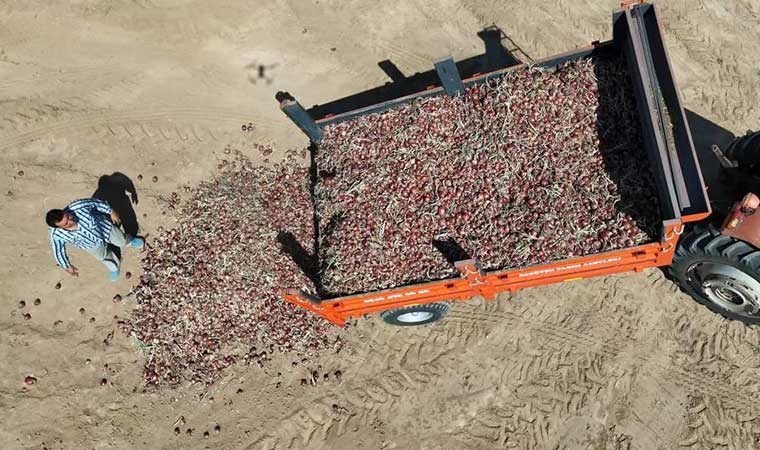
(666, 136)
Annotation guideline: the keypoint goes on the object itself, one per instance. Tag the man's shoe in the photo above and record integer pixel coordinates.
(111, 265)
(136, 242)
(114, 275)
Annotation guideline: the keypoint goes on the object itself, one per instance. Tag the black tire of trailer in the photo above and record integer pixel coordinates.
(719, 272)
(416, 315)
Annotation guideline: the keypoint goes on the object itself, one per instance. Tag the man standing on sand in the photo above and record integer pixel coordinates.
(91, 225)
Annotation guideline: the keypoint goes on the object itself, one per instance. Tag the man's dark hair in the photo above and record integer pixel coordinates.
(53, 217)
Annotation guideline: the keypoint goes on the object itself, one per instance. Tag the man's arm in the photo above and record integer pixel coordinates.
(59, 251)
(105, 208)
(101, 206)
(98, 205)
(90, 204)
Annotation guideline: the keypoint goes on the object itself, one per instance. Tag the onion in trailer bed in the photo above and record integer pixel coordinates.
(535, 166)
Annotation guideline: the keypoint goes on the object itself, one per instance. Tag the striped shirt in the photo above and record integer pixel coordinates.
(93, 229)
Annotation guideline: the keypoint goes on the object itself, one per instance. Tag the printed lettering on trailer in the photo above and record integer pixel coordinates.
(395, 296)
(550, 270)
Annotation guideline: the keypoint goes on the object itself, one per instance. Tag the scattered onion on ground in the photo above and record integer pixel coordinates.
(209, 295)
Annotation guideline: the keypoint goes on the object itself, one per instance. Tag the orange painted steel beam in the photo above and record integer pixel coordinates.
(474, 281)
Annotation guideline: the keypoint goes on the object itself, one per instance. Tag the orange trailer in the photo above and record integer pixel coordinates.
(670, 150)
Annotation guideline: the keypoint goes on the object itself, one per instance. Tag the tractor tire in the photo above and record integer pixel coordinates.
(746, 151)
(720, 272)
(416, 315)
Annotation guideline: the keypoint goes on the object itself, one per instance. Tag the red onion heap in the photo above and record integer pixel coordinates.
(209, 293)
(535, 166)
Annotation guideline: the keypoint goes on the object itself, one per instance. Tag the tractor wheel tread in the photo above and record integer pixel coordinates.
(752, 260)
(737, 250)
(692, 242)
(717, 244)
(706, 244)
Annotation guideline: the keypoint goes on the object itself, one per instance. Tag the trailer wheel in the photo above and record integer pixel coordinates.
(720, 272)
(410, 316)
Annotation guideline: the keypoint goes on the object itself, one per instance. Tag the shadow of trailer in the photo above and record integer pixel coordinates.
(669, 149)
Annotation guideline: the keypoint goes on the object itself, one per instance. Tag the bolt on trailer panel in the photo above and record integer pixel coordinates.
(669, 147)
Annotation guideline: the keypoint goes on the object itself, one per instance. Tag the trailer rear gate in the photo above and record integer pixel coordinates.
(667, 140)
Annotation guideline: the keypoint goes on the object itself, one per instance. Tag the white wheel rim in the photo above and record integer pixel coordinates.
(728, 287)
(414, 316)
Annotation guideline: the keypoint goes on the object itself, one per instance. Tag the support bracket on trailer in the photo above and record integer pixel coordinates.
(301, 295)
(629, 3)
(301, 118)
(449, 76)
(315, 305)
(472, 271)
(722, 158)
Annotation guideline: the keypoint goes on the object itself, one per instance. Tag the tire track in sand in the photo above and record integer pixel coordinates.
(543, 385)
(409, 365)
(711, 425)
(15, 115)
(113, 120)
(530, 421)
(157, 131)
(611, 347)
(330, 414)
(409, 61)
(538, 409)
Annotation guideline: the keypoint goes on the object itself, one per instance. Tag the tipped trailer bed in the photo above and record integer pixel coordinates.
(666, 138)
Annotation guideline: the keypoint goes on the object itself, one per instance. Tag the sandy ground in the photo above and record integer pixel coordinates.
(158, 88)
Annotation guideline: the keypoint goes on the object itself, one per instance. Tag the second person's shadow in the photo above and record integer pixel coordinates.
(119, 191)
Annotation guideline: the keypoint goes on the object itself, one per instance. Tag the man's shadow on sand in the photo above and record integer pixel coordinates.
(119, 191)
